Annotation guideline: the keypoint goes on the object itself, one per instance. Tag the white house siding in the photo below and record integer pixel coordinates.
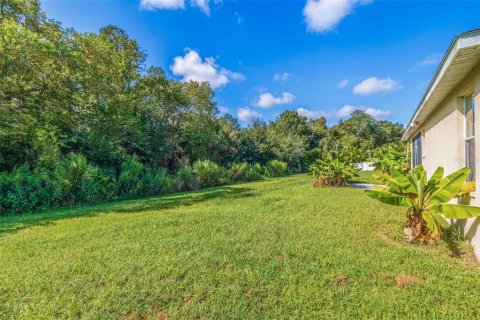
(443, 144)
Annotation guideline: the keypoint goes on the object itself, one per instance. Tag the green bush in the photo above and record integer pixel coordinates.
(25, 191)
(156, 181)
(137, 179)
(209, 173)
(240, 172)
(73, 180)
(185, 179)
(82, 182)
(256, 172)
(130, 180)
(392, 156)
(276, 168)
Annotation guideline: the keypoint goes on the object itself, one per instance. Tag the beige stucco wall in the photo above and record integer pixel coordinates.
(443, 144)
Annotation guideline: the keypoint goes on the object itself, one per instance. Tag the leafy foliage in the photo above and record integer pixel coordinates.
(392, 155)
(334, 169)
(209, 173)
(26, 191)
(427, 200)
(185, 180)
(137, 179)
(240, 172)
(84, 115)
(276, 168)
(82, 182)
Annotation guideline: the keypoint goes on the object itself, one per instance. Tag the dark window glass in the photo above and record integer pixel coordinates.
(469, 112)
(417, 150)
(470, 157)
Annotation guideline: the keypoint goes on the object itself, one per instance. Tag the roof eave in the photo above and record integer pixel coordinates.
(446, 60)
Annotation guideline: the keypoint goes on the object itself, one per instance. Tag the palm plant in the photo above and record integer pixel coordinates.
(334, 169)
(427, 200)
(391, 156)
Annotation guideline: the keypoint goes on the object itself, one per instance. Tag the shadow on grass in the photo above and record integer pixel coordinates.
(12, 224)
(182, 199)
(453, 238)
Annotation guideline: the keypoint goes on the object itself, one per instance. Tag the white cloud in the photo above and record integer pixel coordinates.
(430, 60)
(347, 109)
(239, 18)
(343, 83)
(378, 113)
(202, 5)
(267, 100)
(162, 4)
(191, 67)
(246, 114)
(222, 109)
(324, 15)
(374, 85)
(312, 114)
(283, 77)
(344, 112)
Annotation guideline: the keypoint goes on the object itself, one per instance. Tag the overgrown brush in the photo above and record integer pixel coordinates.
(276, 168)
(209, 173)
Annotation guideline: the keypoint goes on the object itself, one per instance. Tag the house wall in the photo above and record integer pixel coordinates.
(443, 144)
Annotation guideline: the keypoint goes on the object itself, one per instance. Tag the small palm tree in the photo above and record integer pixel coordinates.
(426, 200)
(334, 169)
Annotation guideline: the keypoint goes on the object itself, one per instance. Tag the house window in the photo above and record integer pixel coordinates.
(417, 150)
(469, 111)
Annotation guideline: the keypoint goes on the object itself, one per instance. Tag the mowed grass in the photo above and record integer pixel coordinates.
(263, 250)
(365, 177)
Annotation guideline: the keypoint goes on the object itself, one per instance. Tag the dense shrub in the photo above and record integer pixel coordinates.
(137, 179)
(392, 156)
(255, 172)
(82, 182)
(156, 181)
(240, 172)
(237, 172)
(185, 179)
(76, 181)
(209, 173)
(276, 168)
(25, 191)
(130, 180)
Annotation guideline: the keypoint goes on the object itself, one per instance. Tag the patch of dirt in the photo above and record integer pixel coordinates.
(470, 258)
(248, 292)
(280, 258)
(132, 316)
(466, 256)
(340, 280)
(188, 300)
(403, 281)
(162, 315)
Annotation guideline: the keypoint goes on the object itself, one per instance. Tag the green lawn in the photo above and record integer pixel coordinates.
(365, 177)
(263, 250)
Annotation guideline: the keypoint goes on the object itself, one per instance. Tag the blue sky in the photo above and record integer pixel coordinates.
(319, 57)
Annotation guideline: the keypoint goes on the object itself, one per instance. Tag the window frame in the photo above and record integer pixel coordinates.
(469, 139)
(417, 154)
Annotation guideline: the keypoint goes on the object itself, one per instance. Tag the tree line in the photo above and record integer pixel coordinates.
(90, 98)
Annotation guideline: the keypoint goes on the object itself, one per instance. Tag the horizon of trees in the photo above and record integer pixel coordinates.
(63, 92)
